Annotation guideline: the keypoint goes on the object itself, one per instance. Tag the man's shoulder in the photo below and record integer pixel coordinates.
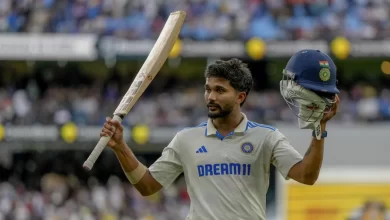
(260, 127)
(270, 133)
(196, 130)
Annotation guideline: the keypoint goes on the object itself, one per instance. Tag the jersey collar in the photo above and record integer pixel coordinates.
(241, 128)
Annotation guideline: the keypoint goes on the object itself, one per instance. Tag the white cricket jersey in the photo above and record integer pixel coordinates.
(227, 177)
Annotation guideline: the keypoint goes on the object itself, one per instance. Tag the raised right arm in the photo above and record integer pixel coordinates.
(146, 180)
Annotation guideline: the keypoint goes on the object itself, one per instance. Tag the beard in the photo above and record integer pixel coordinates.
(219, 112)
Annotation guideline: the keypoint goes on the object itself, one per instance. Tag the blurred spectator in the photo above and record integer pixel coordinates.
(371, 210)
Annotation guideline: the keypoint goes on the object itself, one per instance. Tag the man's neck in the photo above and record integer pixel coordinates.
(226, 125)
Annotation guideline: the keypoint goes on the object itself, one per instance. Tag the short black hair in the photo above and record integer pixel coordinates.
(233, 70)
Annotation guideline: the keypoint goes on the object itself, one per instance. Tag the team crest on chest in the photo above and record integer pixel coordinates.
(247, 147)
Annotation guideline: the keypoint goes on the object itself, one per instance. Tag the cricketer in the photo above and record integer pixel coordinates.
(226, 160)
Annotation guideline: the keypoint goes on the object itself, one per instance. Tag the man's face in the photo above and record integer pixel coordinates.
(221, 97)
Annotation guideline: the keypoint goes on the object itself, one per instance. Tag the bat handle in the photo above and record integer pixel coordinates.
(88, 164)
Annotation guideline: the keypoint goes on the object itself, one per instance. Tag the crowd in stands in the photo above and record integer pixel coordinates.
(62, 197)
(89, 105)
(206, 19)
(50, 185)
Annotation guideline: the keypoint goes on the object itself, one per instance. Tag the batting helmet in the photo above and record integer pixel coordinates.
(309, 86)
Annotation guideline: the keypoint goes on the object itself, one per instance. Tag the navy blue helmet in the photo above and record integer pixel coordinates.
(313, 70)
(309, 87)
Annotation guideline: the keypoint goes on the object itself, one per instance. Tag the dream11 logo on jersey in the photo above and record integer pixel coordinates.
(218, 169)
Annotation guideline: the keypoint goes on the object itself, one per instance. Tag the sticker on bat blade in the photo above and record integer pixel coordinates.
(141, 76)
(134, 91)
(138, 83)
(130, 98)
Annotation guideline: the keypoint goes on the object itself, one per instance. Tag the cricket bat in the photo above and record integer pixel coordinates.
(152, 65)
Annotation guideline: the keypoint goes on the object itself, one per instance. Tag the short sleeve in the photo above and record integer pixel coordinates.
(168, 166)
(283, 155)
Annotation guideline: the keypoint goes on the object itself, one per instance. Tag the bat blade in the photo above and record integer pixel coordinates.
(157, 57)
(152, 65)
